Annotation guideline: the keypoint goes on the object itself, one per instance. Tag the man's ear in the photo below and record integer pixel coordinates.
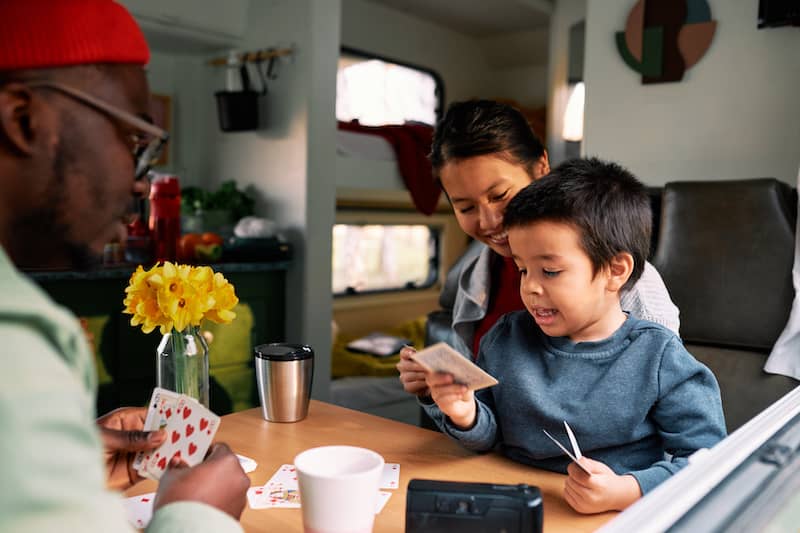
(619, 271)
(17, 123)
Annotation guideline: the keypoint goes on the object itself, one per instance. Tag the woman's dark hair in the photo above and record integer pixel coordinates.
(480, 127)
(608, 206)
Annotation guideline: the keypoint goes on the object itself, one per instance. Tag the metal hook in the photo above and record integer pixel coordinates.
(271, 73)
(261, 75)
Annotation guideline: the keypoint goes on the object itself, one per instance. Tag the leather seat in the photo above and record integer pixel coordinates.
(725, 252)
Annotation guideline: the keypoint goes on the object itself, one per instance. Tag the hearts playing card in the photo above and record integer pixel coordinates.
(280, 491)
(380, 503)
(273, 495)
(190, 430)
(160, 410)
(139, 509)
(390, 477)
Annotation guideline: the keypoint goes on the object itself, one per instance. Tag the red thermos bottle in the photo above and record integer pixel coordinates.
(165, 217)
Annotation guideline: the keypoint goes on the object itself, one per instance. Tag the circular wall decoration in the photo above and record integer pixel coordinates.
(665, 38)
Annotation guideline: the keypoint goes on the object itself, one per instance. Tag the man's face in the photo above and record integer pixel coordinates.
(92, 184)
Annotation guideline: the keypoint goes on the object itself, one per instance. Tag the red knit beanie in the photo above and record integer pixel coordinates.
(57, 33)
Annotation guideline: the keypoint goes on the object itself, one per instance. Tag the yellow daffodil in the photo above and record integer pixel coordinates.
(170, 296)
(225, 299)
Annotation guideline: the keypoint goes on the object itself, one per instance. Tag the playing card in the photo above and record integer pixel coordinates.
(248, 464)
(380, 503)
(573, 441)
(139, 509)
(277, 496)
(160, 410)
(286, 474)
(566, 451)
(274, 495)
(280, 491)
(442, 358)
(390, 478)
(189, 434)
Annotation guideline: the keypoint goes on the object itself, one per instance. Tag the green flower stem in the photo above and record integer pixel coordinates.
(189, 363)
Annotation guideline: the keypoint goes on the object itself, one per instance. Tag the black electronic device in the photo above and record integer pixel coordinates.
(447, 506)
(774, 13)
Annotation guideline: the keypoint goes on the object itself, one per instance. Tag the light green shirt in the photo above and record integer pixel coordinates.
(51, 462)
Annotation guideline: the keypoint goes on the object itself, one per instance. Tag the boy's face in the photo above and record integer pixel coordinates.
(558, 284)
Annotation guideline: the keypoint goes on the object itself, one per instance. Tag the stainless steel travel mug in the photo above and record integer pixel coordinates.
(284, 373)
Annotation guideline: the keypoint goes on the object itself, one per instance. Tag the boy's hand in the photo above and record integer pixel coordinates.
(454, 400)
(412, 375)
(602, 491)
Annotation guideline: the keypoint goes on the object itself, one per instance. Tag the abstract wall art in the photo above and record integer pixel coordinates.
(665, 38)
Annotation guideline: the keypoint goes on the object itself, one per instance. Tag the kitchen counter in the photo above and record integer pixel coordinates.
(124, 271)
(125, 357)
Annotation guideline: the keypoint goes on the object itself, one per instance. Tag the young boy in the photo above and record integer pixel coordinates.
(629, 390)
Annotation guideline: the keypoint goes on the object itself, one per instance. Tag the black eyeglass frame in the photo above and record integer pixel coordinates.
(144, 158)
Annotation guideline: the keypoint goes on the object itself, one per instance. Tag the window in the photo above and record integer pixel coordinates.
(383, 257)
(377, 92)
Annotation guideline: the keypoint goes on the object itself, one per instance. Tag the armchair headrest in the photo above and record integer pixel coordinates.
(725, 251)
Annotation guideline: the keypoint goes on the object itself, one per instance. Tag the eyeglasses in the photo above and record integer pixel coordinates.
(147, 143)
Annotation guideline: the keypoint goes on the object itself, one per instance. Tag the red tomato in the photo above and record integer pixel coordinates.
(186, 247)
(211, 238)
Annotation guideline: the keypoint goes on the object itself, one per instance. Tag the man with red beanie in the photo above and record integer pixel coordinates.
(74, 142)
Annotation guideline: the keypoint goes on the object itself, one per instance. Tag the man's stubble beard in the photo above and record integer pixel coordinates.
(43, 235)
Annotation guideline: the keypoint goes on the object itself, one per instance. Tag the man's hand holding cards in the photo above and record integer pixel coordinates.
(190, 428)
(441, 358)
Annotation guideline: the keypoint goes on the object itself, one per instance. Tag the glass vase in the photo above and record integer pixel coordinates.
(182, 363)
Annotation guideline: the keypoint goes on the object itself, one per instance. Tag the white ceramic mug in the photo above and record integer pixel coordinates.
(338, 488)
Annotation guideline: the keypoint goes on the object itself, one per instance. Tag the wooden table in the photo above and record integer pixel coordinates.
(421, 453)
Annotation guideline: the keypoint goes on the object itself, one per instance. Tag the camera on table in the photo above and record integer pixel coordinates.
(447, 506)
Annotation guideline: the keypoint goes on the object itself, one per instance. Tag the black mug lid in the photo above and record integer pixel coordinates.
(281, 351)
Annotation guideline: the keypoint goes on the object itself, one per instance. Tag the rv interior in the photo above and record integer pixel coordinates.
(337, 163)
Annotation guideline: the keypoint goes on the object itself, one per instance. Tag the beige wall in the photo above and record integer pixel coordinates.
(735, 115)
(289, 160)
(505, 66)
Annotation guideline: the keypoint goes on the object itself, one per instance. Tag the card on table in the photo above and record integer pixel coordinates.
(390, 477)
(440, 357)
(380, 503)
(139, 509)
(190, 428)
(281, 491)
(248, 464)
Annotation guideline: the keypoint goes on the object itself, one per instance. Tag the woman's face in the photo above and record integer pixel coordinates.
(479, 189)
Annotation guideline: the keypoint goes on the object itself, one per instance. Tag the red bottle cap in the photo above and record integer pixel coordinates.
(165, 186)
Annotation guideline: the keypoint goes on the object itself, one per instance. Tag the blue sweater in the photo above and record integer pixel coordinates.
(629, 399)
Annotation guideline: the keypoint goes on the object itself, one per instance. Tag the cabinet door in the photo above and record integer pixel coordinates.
(228, 18)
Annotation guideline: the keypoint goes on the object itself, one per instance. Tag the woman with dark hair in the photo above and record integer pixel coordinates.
(483, 154)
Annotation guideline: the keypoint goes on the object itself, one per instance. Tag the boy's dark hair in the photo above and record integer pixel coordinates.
(480, 127)
(605, 202)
